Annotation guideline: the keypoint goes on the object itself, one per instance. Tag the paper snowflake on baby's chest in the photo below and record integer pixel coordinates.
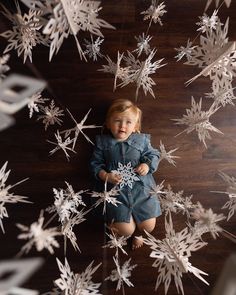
(127, 174)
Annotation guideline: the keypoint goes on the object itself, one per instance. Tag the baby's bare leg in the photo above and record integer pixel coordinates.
(123, 228)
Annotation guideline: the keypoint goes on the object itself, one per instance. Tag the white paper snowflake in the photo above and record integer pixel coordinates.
(117, 242)
(185, 51)
(61, 145)
(121, 274)
(79, 129)
(93, 48)
(25, 33)
(143, 44)
(208, 23)
(38, 236)
(168, 155)
(206, 221)
(76, 284)
(127, 173)
(172, 256)
(51, 115)
(106, 197)
(110, 67)
(227, 3)
(223, 97)
(35, 102)
(198, 120)
(5, 196)
(3, 66)
(155, 12)
(158, 189)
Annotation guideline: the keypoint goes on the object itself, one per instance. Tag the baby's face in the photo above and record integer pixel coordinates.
(123, 124)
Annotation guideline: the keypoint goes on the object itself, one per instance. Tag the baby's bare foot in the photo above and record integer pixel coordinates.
(137, 242)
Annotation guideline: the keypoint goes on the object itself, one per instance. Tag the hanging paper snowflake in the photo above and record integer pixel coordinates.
(167, 155)
(223, 97)
(127, 173)
(117, 242)
(51, 115)
(5, 196)
(208, 23)
(158, 189)
(143, 44)
(38, 236)
(25, 33)
(93, 48)
(185, 51)
(172, 256)
(106, 197)
(155, 12)
(72, 283)
(198, 120)
(79, 129)
(35, 102)
(227, 3)
(121, 274)
(63, 145)
(3, 66)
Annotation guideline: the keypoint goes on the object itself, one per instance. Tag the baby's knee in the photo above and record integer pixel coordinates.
(147, 225)
(123, 229)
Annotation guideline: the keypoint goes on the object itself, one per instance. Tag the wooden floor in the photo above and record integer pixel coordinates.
(79, 86)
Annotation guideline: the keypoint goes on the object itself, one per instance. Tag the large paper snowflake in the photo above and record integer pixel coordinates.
(117, 242)
(51, 115)
(168, 155)
(25, 33)
(74, 283)
(198, 120)
(127, 173)
(38, 236)
(155, 12)
(121, 274)
(3, 66)
(63, 145)
(106, 197)
(172, 256)
(5, 196)
(79, 129)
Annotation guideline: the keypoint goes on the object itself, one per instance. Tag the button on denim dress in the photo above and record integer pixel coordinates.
(136, 200)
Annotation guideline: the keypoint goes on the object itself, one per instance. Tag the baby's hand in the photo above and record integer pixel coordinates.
(113, 178)
(142, 169)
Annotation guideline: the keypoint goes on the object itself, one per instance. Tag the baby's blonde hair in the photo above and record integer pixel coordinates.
(121, 106)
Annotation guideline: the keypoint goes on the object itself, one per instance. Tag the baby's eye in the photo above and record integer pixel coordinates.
(129, 122)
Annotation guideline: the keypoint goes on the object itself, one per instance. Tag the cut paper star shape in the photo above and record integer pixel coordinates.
(61, 145)
(185, 51)
(223, 97)
(5, 196)
(143, 44)
(3, 66)
(117, 242)
(51, 115)
(79, 127)
(25, 33)
(198, 120)
(208, 23)
(35, 103)
(121, 274)
(93, 48)
(164, 155)
(38, 236)
(217, 2)
(172, 256)
(127, 173)
(155, 12)
(75, 283)
(106, 197)
(158, 189)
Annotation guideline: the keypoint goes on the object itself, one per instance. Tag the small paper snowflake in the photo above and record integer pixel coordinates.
(172, 256)
(121, 274)
(51, 115)
(223, 97)
(3, 66)
(208, 23)
(72, 283)
(5, 196)
(38, 236)
(117, 242)
(143, 44)
(185, 51)
(63, 145)
(167, 155)
(158, 189)
(25, 33)
(93, 48)
(198, 120)
(127, 173)
(155, 12)
(106, 197)
(79, 129)
(35, 101)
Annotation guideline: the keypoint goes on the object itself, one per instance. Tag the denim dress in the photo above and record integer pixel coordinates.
(135, 199)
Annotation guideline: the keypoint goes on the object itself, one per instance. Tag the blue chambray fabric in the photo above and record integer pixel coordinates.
(136, 201)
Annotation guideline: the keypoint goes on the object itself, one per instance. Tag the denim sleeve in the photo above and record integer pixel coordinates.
(97, 161)
(150, 156)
